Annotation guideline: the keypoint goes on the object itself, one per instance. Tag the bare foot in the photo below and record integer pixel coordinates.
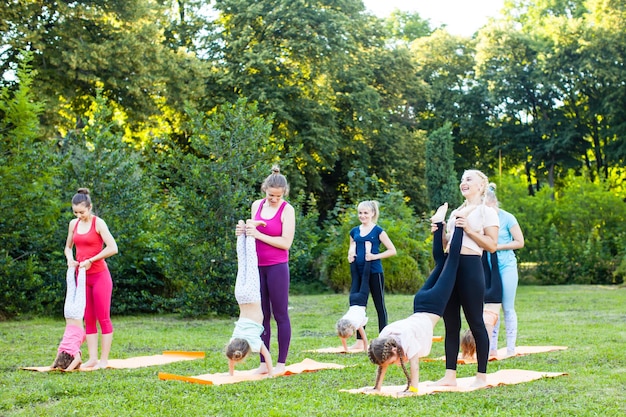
(358, 345)
(279, 369)
(448, 380)
(262, 369)
(440, 214)
(101, 365)
(90, 363)
(480, 381)
(493, 354)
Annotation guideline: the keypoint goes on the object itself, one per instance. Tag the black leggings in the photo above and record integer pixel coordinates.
(468, 293)
(434, 294)
(360, 287)
(375, 285)
(493, 281)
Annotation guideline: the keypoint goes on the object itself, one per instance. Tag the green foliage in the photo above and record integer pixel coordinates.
(27, 202)
(98, 158)
(210, 182)
(441, 180)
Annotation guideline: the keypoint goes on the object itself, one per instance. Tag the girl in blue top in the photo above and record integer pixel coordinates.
(510, 238)
(369, 231)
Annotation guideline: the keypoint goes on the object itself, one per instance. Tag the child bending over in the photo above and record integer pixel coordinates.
(68, 355)
(246, 337)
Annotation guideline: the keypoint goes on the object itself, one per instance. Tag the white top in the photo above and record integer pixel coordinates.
(414, 334)
(478, 219)
(356, 316)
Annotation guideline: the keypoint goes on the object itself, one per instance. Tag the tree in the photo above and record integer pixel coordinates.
(441, 178)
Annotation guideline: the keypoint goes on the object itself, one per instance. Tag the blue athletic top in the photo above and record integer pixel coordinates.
(507, 221)
(374, 237)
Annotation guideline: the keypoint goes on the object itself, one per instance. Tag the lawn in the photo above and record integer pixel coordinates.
(590, 320)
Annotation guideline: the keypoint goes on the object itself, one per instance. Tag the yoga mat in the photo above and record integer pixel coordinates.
(519, 351)
(340, 349)
(496, 379)
(136, 362)
(307, 365)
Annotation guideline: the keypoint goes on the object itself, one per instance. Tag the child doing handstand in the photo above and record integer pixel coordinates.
(248, 329)
(491, 310)
(356, 319)
(68, 354)
(411, 338)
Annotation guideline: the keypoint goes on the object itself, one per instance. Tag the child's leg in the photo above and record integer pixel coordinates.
(70, 292)
(75, 299)
(241, 268)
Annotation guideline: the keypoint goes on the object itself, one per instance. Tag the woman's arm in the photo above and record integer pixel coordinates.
(268, 360)
(283, 241)
(517, 242)
(69, 244)
(110, 247)
(390, 249)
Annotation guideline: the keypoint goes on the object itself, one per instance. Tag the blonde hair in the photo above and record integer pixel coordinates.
(275, 180)
(372, 205)
(490, 195)
(344, 328)
(468, 345)
(379, 352)
(237, 349)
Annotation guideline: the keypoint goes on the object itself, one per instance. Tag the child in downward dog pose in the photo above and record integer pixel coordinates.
(411, 338)
(493, 303)
(246, 337)
(68, 355)
(356, 319)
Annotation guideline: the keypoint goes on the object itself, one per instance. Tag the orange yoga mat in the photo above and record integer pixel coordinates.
(502, 377)
(340, 349)
(519, 351)
(307, 365)
(136, 362)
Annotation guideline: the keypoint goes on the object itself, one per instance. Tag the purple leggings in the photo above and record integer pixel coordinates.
(275, 300)
(98, 307)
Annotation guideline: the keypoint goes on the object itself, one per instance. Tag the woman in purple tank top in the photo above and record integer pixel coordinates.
(272, 243)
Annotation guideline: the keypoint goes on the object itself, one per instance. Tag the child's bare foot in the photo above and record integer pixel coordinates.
(480, 381)
(262, 369)
(279, 369)
(90, 363)
(440, 214)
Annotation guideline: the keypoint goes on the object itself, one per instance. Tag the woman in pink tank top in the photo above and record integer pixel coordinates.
(272, 243)
(94, 243)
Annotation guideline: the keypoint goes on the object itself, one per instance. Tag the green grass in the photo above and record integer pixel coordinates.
(590, 320)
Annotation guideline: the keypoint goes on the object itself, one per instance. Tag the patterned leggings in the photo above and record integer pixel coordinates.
(75, 296)
(247, 286)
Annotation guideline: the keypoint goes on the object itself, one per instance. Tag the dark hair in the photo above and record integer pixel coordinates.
(82, 197)
(63, 360)
(237, 349)
(380, 350)
(275, 180)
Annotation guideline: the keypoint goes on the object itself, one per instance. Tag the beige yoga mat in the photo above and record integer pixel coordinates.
(136, 362)
(340, 349)
(502, 377)
(307, 365)
(519, 351)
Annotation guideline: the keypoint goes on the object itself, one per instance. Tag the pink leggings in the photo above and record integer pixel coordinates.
(98, 307)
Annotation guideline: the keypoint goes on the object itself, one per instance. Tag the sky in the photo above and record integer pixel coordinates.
(462, 17)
